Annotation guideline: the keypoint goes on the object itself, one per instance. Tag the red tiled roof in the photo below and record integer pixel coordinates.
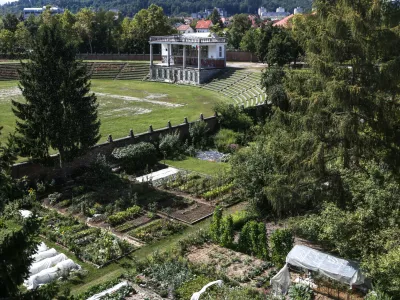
(204, 24)
(284, 22)
(183, 27)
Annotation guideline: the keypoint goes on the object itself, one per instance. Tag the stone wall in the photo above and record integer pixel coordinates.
(52, 170)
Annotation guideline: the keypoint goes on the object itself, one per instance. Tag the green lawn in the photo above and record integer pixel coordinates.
(148, 103)
(198, 165)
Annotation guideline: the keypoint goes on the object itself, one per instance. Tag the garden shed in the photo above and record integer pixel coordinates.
(344, 271)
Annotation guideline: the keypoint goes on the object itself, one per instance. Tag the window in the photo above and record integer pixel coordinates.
(220, 51)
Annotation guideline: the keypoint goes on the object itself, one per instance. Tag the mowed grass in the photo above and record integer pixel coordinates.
(198, 165)
(118, 115)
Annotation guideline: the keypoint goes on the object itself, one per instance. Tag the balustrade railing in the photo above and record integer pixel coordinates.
(193, 61)
(183, 39)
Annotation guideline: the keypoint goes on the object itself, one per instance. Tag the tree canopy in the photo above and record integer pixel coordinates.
(60, 112)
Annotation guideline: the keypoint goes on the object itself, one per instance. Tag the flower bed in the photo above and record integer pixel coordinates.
(156, 230)
(90, 244)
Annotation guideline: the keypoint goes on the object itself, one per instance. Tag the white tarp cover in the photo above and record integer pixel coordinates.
(108, 291)
(46, 263)
(336, 268)
(25, 213)
(44, 254)
(42, 247)
(196, 295)
(281, 281)
(48, 275)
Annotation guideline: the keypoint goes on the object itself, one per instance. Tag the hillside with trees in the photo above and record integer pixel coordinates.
(171, 7)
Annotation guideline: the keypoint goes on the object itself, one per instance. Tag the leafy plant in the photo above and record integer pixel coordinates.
(300, 292)
(215, 227)
(122, 216)
(171, 146)
(199, 134)
(224, 140)
(281, 242)
(136, 157)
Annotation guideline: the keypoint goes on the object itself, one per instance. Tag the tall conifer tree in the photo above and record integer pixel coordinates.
(60, 112)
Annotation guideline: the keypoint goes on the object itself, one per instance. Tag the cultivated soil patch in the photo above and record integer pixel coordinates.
(238, 266)
(193, 213)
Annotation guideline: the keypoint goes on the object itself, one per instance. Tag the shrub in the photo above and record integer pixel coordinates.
(199, 134)
(232, 117)
(300, 292)
(281, 242)
(170, 145)
(253, 239)
(136, 157)
(224, 140)
(227, 233)
(215, 227)
(240, 218)
(186, 290)
(122, 216)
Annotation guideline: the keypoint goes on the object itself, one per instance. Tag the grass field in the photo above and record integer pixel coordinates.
(127, 104)
(197, 165)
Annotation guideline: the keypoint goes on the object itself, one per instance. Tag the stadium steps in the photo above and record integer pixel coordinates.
(243, 87)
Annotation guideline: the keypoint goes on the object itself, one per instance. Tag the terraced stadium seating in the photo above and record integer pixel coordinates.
(105, 70)
(242, 86)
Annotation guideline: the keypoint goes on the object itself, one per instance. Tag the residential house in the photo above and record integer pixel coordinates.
(182, 29)
(204, 26)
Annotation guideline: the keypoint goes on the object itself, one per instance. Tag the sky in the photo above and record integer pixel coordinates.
(5, 1)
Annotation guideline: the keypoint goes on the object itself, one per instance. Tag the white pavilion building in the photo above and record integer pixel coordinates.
(191, 58)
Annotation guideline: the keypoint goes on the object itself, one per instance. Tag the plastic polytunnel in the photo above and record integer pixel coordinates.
(304, 257)
(46, 263)
(48, 275)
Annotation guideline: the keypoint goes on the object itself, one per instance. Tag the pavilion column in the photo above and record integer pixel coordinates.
(169, 54)
(151, 55)
(224, 55)
(199, 57)
(184, 57)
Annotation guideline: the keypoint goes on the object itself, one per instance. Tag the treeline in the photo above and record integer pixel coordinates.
(171, 7)
(328, 155)
(89, 31)
(108, 32)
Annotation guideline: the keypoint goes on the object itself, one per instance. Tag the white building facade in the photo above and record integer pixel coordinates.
(37, 11)
(188, 58)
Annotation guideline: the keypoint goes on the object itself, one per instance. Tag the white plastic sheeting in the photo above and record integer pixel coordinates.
(50, 274)
(108, 291)
(42, 247)
(46, 263)
(196, 295)
(25, 213)
(336, 268)
(281, 282)
(44, 254)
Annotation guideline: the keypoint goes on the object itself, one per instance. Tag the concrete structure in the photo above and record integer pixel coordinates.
(182, 29)
(204, 25)
(298, 10)
(37, 11)
(279, 14)
(207, 12)
(188, 58)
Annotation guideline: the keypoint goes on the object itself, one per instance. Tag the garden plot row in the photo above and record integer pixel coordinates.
(89, 244)
(213, 190)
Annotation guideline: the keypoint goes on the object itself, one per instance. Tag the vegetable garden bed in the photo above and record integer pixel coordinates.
(90, 244)
(156, 230)
(192, 214)
(216, 191)
(242, 268)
